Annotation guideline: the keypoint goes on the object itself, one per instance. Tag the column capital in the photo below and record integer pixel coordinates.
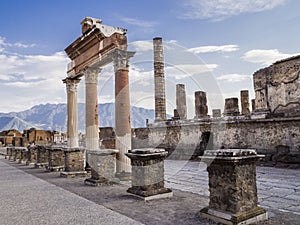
(71, 84)
(121, 58)
(91, 75)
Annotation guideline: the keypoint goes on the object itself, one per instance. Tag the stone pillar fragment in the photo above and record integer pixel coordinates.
(148, 173)
(42, 157)
(253, 104)
(181, 101)
(159, 80)
(72, 112)
(201, 108)
(216, 113)
(32, 157)
(232, 187)
(122, 110)
(245, 102)
(56, 159)
(231, 107)
(74, 163)
(91, 108)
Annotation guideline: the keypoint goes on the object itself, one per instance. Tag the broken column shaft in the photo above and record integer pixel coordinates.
(181, 101)
(231, 107)
(159, 80)
(201, 108)
(245, 102)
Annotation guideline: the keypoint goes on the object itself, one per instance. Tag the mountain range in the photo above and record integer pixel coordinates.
(54, 117)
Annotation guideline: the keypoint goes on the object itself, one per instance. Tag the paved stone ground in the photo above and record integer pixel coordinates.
(50, 197)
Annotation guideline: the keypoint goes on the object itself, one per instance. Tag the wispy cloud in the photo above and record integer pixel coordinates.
(222, 9)
(182, 71)
(3, 43)
(139, 23)
(141, 46)
(214, 48)
(233, 77)
(265, 57)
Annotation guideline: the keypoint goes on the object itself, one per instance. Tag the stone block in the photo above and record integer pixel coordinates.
(32, 155)
(102, 163)
(148, 173)
(56, 158)
(232, 186)
(42, 157)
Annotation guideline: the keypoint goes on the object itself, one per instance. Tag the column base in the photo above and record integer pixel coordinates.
(40, 165)
(123, 176)
(100, 182)
(55, 168)
(151, 195)
(30, 163)
(253, 216)
(73, 174)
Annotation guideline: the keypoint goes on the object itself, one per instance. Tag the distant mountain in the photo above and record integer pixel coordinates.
(54, 116)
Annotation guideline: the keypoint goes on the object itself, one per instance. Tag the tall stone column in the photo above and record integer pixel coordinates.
(122, 109)
(159, 80)
(91, 108)
(181, 100)
(72, 108)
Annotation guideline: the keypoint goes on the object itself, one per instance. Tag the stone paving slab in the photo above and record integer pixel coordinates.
(26, 199)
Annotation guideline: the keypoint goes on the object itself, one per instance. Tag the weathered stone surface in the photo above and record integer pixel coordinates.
(245, 102)
(147, 172)
(102, 163)
(56, 158)
(24, 156)
(42, 157)
(74, 159)
(181, 101)
(231, 107)
(216, 113)
(232, 185)
(32, 155)
(201, 108)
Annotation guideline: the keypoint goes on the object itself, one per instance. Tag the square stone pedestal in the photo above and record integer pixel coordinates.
(74, 163)
(148, 173)
(9, 153)
(56, 158)
(32, 155)
(42, 157)
(232, 186)
(24, 155)
(17, 154)
(102, 163)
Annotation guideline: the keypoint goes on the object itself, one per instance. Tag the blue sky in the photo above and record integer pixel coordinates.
(210, 45)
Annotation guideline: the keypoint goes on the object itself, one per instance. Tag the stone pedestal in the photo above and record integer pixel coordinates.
(74, 163)
(24, 155)
(56, 159)
(201, 108)
(216, 113)
(17, 154)
(103, 164)
(245, 102)
(232, 186)
(181, 101)
(32, 155)
(148, 173)
(231, 107)
(42, 157)
(9, 153)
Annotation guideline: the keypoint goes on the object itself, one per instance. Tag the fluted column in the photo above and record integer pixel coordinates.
(91, 108)
(122, 109)
(72, 108)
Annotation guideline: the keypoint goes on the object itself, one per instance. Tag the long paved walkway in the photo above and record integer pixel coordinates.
(26, 199)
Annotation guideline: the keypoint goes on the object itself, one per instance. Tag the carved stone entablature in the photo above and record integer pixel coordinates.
(121, 58)
(71, 85)
(91, 75)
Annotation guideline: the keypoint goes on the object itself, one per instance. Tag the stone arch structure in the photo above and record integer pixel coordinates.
(98, 46)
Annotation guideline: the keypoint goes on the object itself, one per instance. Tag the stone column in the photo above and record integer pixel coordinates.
(159, 80)
(253, 104)
(231, 107)
(245, 102)
(216, 113)
(201, 108)
(232, 186)
(91, 108)
(181, 101)
(122, 110)
(72, 108)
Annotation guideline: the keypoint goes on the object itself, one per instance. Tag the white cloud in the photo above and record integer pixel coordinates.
(221, 9)
(214, 48)
(233, 77)
(182, 71)
(141, 46)
(139, 23)
(17, 44)
(265, 57)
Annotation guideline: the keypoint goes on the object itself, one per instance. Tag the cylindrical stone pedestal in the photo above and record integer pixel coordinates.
(232, 186)
(56, 158)
(74, 163)
(148, 173)
(32, 155)
(42, 157)
(103, 164)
